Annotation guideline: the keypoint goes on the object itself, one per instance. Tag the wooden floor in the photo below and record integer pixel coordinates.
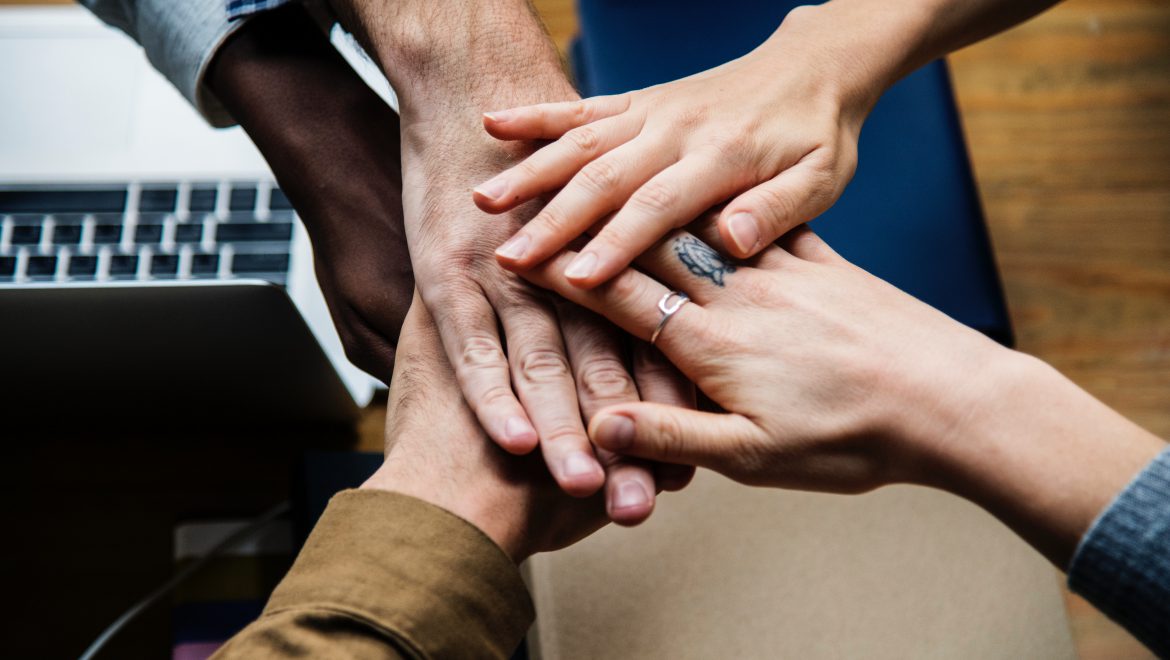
(1068, 123)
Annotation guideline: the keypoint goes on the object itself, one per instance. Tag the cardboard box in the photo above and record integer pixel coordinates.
(722, 570)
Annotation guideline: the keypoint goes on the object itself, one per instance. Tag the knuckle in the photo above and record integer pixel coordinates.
(581, 113)
(778, 208)
(671, 445)
(584, 139)
(481, 352)
(564, 433)
(496, 396)
(542, 366)
(625, 289)
(656, 197)
(604, 379)
(733, 148)
(600, 176)
(552, 219)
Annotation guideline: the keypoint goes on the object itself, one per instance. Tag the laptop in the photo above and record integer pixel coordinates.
(149, 265)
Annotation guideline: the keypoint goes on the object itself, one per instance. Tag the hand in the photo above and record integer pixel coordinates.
(446, 64)
(437, 452)
(775, 131)
(562, 364)
(333, 145)
(836, 381)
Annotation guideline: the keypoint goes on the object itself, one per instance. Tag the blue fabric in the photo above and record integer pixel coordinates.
(1122, 565)
(241, 8)
(911, 214)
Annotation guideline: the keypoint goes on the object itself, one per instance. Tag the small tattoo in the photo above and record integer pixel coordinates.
(702, 260)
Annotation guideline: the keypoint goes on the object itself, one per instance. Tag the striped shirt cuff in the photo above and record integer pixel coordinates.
(237, 9)
(1122, 564)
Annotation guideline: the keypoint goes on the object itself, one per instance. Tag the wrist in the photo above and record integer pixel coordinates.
(1039, 453)
(857, 50)
(467, 57)
(479, 504)
(324, 133)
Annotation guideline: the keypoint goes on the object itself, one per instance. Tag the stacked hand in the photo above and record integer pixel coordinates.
(556, 363)
(775, 132)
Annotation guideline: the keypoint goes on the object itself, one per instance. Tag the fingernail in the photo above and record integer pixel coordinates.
(499, 116)
(630, 494)
(582, 267)
(578, 464)
(744, 231)
(493, 189)
(615, 432)
(514, 248)
(517, 428)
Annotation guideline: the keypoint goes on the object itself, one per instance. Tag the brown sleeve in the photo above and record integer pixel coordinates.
(385, 575)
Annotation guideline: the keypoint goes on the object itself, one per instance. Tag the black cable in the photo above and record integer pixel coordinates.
(179, 577)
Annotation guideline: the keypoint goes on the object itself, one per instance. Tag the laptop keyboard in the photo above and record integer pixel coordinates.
(147, 231)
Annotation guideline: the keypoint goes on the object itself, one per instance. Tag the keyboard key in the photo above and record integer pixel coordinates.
(26, 234)
(49, 200)
(7, 267)
(238, 217)
(157, 199)
(236, 232)
(147, 234)
(188, 233)
(243, 199)
(66, 234)
(151, 218)
(259, 263)
(202, 199)
(123, 265)
(164, 265)
(107, 234)
(82, 267)
(204, 265)
(41, 267)
(278, 201)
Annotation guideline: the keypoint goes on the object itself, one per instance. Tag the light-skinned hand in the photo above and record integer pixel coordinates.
(775, 132)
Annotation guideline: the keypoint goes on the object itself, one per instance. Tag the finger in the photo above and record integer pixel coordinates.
(706, 229)
(659, 381)
(761, 215)
(629, 300)
(675, 435)
(544, 383)
(804, 243)
(683, 262)
(595, 353)
(670, 199)
(598, 188)
(467, 325)
(552, 166)
(549, 121)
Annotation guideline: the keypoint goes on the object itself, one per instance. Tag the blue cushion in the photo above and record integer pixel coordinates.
(911, 214)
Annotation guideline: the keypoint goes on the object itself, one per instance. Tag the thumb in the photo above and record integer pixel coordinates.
(752, 221)
(673, 435)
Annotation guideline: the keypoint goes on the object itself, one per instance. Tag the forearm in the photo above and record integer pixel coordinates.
(372, 582)
(1039, 453)
(331, 142)
(465, 56)
(303, 106)
(864, 46)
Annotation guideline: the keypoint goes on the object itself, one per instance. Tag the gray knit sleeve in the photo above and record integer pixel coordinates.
(1122, 564)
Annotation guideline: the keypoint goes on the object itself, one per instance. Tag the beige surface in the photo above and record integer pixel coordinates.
(726, 571)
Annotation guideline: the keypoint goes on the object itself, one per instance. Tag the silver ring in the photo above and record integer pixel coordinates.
(668, 310)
